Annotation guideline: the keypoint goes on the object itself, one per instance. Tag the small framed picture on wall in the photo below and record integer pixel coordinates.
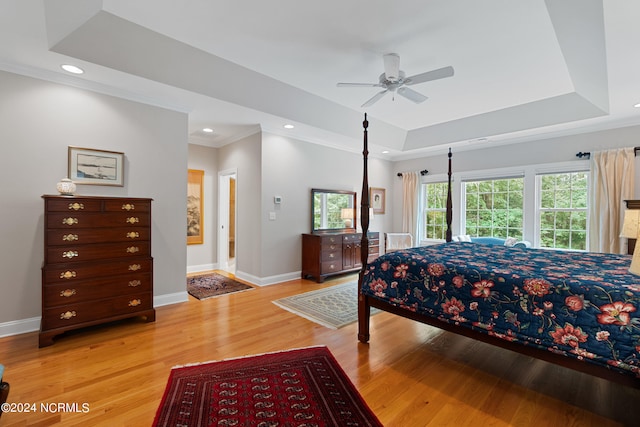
(376, 199)
(97, 167)
(195, 217)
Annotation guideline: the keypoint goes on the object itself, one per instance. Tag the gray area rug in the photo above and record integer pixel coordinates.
(333, 307)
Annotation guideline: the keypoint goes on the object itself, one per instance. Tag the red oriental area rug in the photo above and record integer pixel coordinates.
(302, 387)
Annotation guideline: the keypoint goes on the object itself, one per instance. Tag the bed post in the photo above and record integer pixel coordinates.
(364, 310)
(449, 203)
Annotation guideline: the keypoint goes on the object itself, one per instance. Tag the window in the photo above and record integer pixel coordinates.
(494, 207)
(562, 210)
(434, 196)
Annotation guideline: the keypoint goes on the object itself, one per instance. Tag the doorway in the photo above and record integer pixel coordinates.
(227, 216)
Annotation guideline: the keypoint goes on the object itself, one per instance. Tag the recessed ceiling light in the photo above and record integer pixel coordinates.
(385, 152)
(72, 69)
(207, 130)
(287, 126)
(637, 105)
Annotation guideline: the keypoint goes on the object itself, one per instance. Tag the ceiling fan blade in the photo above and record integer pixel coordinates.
(411, 95)
(359, 85)
(374, 99)
(391, 66)
(440, 73)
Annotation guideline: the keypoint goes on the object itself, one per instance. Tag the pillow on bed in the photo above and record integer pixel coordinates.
(510, 241)
(464, 238)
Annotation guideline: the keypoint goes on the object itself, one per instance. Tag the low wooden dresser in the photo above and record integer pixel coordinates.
(327, 254)
(97, 262)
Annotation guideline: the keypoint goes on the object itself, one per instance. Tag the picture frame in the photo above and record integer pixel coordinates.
(377, 200)
(195, 207)
(88, 166)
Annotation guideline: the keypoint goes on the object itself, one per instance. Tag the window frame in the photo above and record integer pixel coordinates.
(530, 212)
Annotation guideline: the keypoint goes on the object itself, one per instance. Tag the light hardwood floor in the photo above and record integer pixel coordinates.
(410, 374)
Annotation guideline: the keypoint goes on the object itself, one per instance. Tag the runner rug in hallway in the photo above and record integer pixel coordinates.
(333, 307)
(213, 285)
(304, 386)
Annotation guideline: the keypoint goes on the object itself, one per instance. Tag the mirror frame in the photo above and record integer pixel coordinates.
(351, 229)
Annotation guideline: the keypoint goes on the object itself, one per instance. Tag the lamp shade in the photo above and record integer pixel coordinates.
(630, 229)
(631, 224)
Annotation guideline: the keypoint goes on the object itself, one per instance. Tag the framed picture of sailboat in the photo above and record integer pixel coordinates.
(97, 167)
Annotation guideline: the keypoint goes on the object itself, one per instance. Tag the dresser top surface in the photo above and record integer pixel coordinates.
(76, 197)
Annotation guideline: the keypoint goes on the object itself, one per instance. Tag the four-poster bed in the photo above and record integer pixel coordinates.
(575, 309)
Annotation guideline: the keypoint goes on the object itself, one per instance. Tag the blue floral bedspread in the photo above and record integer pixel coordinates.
(581, 305)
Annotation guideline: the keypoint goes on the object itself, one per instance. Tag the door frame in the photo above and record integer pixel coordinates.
(223, 220)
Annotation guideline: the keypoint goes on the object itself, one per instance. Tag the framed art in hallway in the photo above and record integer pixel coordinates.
(376, 199)
(96, 167)
(195, 199)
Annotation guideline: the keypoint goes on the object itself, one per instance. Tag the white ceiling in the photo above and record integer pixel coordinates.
(523, 70)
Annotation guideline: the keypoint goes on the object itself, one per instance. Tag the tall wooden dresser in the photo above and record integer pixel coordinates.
(327, 254)
(97, 262)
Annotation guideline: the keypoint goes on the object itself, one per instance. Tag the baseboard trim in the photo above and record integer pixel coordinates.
(23, 326)
(168, 299)
(270, 280)
(17, 327)
(203, 267)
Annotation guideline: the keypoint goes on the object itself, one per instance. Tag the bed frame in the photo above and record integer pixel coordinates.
(365, 302)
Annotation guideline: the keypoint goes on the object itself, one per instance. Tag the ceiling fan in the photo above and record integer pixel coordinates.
(393, 80)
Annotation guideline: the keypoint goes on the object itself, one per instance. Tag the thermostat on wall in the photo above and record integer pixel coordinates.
(277, 199)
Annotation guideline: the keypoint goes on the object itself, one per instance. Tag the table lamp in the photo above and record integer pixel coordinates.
(630, 230)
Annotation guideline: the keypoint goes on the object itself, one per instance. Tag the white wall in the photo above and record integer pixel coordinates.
(290, 169)
(204, 256)
(38, 121)
(245, 157)
(538, 152)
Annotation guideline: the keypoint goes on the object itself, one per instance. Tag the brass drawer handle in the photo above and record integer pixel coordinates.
(133, 249)
(135, 283)
(68, 275)
(135, 303)
(128, 207)
(68, 293)
(76, 206)
(69, 221)
(69, 237)
(133, 234)
(69, 254)
(132, 220)
(135, 267)
(67, 315)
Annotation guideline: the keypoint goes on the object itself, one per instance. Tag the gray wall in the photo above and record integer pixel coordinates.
(38, 121)
(204, 256)
(290, 169)
(537, 152)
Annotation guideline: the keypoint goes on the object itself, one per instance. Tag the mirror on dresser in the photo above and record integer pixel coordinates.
(333, 211)
(333, 246)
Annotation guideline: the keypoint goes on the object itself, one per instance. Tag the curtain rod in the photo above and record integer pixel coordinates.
(587, 154)
(422, 172)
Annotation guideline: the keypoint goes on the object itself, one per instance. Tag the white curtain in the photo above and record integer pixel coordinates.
(410, 182)
(612, 182)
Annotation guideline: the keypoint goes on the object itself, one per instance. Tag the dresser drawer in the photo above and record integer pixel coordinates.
(72, 314)
(73, 205)
(89, 220)
(331, 255)
(331, 266)
(127, 205)
(330, 240)
(104, 287)
(58, 236)
(76, 272)
(79, 253)
(351, 238)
